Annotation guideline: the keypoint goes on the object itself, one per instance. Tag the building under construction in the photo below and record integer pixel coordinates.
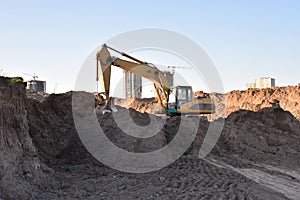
(132, 84)
(36, 86)
(170, 77)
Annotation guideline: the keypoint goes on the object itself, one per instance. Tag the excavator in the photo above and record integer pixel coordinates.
(177, 100)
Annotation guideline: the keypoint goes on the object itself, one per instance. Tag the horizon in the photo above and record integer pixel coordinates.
(245, 40)
(194, 91)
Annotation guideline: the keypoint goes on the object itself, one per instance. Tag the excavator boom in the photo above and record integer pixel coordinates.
(143, 69)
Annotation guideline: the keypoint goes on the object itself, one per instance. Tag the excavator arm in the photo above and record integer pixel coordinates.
(183, 101)
(143, 69)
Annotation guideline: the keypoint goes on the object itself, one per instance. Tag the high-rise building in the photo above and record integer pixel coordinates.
(263, 82)
(132, 84)
(170, 77)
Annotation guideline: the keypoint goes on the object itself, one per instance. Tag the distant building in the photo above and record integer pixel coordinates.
(263, 82)
(170, 77)
(250, 85)
(36, 86)
(132, 84)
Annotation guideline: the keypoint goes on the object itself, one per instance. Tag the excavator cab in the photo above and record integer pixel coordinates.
(181, 101)
(178, 95)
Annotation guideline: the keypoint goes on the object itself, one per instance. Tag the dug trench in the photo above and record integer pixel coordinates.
(42, 156)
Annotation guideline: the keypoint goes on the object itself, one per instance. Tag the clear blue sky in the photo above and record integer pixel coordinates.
(245, 39)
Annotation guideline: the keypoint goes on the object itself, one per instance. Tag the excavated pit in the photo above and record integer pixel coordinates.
(42, 156)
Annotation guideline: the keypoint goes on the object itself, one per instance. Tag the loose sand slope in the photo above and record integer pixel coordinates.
(42, 157)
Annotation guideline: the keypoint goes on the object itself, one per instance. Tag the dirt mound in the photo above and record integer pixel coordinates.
(149, 105)
(270, 135)
(51, 124)
(256, 99)
(121, 127)
(18, 155)
(42, 156)
(251, 99)
(201, 94)
(39, 96)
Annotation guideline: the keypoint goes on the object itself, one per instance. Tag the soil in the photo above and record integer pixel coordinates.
(251, 99)
(42, 157)
(257, 99)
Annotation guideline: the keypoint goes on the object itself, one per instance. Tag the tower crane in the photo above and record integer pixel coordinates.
(34, 77)
(178, 67)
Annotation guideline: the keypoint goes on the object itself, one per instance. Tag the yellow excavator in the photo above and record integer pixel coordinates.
(177, 100)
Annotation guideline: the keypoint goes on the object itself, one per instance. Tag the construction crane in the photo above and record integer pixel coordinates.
(175, 100)
(178, 67)
(34, 77)
(172, 68)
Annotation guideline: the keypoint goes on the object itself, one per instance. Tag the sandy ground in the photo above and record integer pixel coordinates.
(42, 157)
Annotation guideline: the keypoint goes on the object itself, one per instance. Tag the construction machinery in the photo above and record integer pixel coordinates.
(175, 100)
(34, 77)
(178, 67)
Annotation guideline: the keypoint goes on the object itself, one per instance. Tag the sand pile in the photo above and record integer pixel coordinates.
(256, 99)
(270, 135)
(149, 105)
(251, 99)
(51, 125)
(18, 155)
(42, 156)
